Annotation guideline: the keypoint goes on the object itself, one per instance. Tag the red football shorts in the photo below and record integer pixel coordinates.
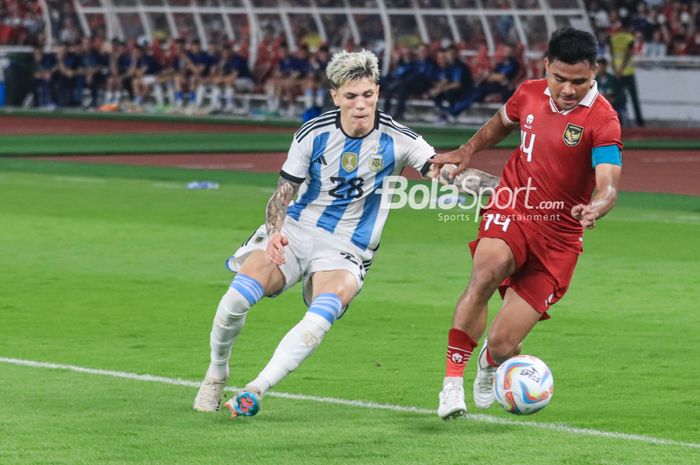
(543, 271)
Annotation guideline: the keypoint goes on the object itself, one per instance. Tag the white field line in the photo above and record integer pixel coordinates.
(80, 179)
(562, 428)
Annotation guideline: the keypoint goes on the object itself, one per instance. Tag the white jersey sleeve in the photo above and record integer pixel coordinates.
(296, 166)
(411, 149)
(418, 154)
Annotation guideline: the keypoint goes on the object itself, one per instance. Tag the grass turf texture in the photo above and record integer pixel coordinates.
(121, 268)
(198, 142)
(237, 141)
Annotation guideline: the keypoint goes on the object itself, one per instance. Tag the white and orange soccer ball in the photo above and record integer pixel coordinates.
(523, 385)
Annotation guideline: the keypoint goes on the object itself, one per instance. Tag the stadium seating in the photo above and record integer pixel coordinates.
(478, 30)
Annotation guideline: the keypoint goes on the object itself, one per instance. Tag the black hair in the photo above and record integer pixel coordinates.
(572, 46)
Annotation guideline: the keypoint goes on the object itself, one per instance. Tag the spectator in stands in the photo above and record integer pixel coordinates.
(216, 77)
(288, 78)
(68, 70)
(454, 83)
(20, 23)
(234, 76)
(401, 68)
(182, 67)
(95, 68)
(197, 66)
(266, 62)
(640, 20)
(174, 68)
(45, 67)
(75, 52)
(621, 48)
(417, 82)
(656, 47)
(280, 73)
(610, 86)
(118, 79)
(211, 76)
(668, 26)
(316, 84)
(679, 44)
(693, 47)
(299, 78)
(598, 15)
(145, 75)
(68, 32)
(498, 84)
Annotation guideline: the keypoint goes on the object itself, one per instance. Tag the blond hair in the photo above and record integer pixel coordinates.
(348, 66)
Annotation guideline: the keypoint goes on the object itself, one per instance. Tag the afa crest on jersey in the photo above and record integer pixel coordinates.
(349, 161)
(572, 134)
(376, 162)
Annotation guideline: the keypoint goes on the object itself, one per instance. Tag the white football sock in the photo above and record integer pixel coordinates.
(171, 94)
(229, 320)
(228, 97)
(158, 94)
(215, 97)
(199, 95)
(294, 348)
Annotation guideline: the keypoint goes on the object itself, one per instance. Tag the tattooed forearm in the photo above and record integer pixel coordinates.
(470, 180)
(476, 180)
(278, 203)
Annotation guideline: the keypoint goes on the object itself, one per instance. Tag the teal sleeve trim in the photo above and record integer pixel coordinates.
(610, 154)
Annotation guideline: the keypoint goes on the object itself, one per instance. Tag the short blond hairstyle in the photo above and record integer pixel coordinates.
(348, 66)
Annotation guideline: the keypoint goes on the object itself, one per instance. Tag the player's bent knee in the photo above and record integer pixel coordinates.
(259, 266)
(340, 283)
(501, 349)
(485, 281)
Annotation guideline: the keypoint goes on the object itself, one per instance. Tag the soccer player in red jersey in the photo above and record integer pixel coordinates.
(560, 181)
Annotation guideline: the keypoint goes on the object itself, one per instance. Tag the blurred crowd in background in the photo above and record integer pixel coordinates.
(179, 75)
(660, 28)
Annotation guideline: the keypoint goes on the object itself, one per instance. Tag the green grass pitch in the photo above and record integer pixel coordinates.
(120, 268)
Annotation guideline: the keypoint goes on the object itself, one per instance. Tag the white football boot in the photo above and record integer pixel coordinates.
(483, 391)
(452, 402)
(208, 398)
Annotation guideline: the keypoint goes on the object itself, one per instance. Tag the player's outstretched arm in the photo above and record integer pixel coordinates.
(274, 218)
(472, 181)
(491, 133)
(607, 178)
(469, 181)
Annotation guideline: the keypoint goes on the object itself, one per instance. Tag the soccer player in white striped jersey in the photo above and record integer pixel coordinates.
(326, 238)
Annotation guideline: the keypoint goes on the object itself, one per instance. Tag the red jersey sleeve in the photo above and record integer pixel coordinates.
(607, 131)
(511, 110)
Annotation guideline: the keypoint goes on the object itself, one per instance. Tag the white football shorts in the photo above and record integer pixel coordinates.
(309, 250)
(149, 79)
(244, 84)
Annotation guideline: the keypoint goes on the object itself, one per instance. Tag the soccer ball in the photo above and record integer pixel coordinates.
(523, 385)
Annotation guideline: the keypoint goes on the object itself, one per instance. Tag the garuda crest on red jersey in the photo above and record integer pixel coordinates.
(572, 134)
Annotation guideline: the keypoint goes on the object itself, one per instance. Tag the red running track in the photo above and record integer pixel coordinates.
(666, 171)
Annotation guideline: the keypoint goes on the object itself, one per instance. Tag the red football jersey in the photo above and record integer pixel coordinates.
(552, 170)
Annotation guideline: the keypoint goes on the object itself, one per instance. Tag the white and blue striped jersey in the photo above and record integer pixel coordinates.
(341, 174)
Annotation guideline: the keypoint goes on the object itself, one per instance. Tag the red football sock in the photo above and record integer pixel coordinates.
(459, 349)
(490, 359)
